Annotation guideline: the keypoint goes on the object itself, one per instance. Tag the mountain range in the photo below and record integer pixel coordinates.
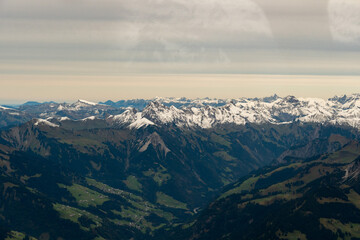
(204, 169)
(203, 113)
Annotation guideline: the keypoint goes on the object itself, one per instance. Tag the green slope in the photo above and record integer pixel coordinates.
(310, 199)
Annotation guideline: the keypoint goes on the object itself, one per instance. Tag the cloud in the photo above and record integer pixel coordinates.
(345, 20)
(180, 30)
(145, 36)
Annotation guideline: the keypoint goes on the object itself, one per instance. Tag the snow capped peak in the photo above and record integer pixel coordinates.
(340, 99)
(88, 118)
(64, 119)
(345, 98)
(290, 99)
(86, 102)
(129, 115)
(271, 98)
(207, 113)
(82, 105)
(4, 108)
(141, 122)
(155, 105)
(273, 110)
(44, 122)
(158, 99)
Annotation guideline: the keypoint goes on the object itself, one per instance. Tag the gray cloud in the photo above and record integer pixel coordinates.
(243, 35)
(345, 20)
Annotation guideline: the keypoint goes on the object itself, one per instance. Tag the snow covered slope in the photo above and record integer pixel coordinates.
(343, 110)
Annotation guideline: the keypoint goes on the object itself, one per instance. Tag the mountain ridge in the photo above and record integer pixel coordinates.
(344, 110)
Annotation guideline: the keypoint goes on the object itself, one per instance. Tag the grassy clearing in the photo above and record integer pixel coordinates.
(106, 188)
(224, 155)
(131, 213)
(133, 184)
(84, 196)
(350, 230)
(99, 238)
(287, 186)
(354, 198)
(293, 165)
(315, 173)
(270, 199)
(220, 140)
(294, 235)
(168, 216)
(342, 157)
(279, 187)
(286, 189)
(73, 214)
(330, 200)
(136, 201)
(247, 185)
(123, 222)
(168, 201)
(159, 175)
(136, 218)
(26, 178)
(346, 155)
(83, 144)
(135, 214)
(18, 236)
(148, 207)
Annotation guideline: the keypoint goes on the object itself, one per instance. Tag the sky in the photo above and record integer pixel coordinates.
(63, 50)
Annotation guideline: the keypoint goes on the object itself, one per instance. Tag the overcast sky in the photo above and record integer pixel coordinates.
(116, 49)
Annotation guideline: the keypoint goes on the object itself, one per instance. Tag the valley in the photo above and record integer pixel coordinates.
(164, 177)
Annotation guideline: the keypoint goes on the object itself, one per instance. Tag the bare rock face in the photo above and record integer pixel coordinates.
(352, 171)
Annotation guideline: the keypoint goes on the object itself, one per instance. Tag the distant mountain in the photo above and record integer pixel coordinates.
(176, 102)
(205, 113)
(75, 111)
(10, 117)
(274, 110)
(34, 103)
(31, 103)
(316, 198)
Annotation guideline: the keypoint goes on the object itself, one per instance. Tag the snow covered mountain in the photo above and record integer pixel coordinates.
(343, 110)
(75, 111)
(168, 101)
(9, 117)
(203, 113)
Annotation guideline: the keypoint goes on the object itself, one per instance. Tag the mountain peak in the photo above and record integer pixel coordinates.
(345, 98)
(86, 102)
(291, 99)
(44, 122)
(271, 98)
(4, 108)
(156, 104)
(141, 122)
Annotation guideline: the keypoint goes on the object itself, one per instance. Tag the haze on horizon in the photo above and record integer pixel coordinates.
(98, 50)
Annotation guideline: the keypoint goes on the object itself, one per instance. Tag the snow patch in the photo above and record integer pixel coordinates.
(139, 123)
(14, 113)
(88, 118)
(5, 108)
(44, 122)
(64, 119)
(87, 102)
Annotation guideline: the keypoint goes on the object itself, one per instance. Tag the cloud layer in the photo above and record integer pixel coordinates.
(117, 37)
